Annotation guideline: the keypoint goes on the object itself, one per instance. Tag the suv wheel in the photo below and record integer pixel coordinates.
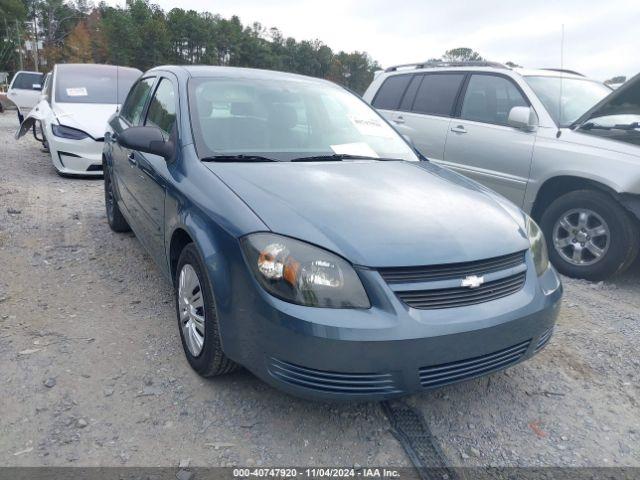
(197, 318)
(590, 235)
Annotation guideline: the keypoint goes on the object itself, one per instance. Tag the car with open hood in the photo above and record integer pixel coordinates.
(308, 241)
(563, 147)
(75, 104)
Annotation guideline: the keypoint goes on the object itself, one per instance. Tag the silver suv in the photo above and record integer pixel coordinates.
(564, 148)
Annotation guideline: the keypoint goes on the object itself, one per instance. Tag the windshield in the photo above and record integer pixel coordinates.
(286, 119)
(578, 96)
(104, 84)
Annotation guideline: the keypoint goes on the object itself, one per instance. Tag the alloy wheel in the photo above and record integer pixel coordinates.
(581, 237)
(191, 309)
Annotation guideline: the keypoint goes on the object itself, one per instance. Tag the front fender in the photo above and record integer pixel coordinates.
(37, 114)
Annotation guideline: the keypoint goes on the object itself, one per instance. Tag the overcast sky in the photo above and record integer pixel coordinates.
(601, 37)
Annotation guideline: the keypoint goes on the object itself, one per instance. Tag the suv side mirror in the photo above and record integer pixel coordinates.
(147, 140)
(523, 118)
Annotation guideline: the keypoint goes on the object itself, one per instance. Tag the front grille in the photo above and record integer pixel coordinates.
(544, 339)
(463, 296)
(333, 382)
(95, 168)
(439, 375)
(451, 270)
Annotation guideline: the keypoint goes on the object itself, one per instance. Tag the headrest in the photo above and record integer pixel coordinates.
(241, 109)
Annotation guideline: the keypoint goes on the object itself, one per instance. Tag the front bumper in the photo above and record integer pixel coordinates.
(391, 349)
(75, 157)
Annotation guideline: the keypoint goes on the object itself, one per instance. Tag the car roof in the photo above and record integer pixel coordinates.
(206, 71)
(94, 66)
(488, 67)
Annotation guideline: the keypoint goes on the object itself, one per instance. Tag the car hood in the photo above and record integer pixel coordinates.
(623, 101)
(379, 214)
(88, 117)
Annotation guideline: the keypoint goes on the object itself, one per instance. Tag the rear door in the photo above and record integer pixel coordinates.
(481, 144)
(426, 110)
(24, 90)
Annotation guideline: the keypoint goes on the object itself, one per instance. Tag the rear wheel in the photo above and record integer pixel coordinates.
(116, 220)
(197, 318)
(590, 235)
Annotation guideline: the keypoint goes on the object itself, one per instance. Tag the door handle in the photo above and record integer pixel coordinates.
(132, 159)
(459, 129)
(399, 119)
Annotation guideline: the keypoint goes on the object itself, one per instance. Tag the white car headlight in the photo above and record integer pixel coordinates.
(538, 246)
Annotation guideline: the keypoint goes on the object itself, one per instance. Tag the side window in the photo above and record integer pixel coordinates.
(26, 81)
(162, 109)
(391, 91)
(133, 105)
(410, 94)
(437, 94)
(490, 98)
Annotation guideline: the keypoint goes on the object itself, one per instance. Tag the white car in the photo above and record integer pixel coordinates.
(77, 101)
(24, 91)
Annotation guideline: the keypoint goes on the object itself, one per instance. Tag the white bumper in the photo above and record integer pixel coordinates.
(75, 157)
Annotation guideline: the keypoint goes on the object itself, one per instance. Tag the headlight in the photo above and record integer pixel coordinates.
(538, 246)
(68, 132)
(300, 273)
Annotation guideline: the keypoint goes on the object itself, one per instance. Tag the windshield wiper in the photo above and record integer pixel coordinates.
(338, 157)
(620, 126)
(237, 158)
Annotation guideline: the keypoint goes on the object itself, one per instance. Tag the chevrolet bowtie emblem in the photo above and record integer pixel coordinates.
(472, 281)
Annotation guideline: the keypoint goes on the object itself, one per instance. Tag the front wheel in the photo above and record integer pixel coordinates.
(197, 318)
(590, 235)
(116, 220)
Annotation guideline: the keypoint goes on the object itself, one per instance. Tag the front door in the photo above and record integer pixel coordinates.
(124, 162)
(481, 144)
(148, 183)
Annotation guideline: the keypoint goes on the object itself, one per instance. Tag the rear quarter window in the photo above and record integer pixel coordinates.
(391, 91)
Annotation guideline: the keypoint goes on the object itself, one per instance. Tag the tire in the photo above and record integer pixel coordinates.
(617, 248)
(210, 361)
(116, 220)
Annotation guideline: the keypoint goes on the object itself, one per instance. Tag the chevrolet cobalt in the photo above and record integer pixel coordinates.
(308, 242)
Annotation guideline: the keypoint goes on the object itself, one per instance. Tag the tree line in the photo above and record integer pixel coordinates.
(143, 35)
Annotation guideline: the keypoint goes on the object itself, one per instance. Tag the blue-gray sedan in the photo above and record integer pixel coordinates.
(308, 242)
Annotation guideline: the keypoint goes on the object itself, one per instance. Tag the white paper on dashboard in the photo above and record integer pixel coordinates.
(358, 148)
(77, 92)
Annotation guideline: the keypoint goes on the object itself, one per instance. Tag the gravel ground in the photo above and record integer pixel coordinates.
(93, 371)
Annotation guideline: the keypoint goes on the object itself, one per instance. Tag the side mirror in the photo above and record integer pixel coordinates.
(523, 118)
(147, 140)
(36, 86)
